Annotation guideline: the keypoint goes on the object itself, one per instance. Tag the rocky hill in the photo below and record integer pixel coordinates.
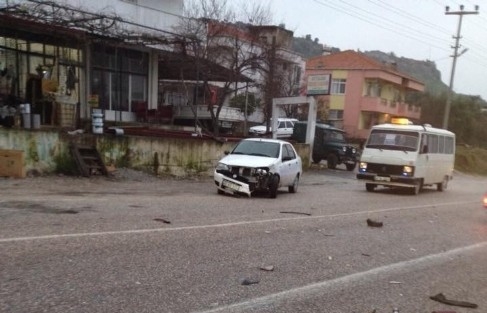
(424, 71)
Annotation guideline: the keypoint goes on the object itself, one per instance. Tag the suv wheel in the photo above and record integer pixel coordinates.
(316, 159)
(351, 166)
(332, 161)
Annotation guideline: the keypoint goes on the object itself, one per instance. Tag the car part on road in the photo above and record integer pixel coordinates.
(372, 223)
(441, 298)
(291, 212)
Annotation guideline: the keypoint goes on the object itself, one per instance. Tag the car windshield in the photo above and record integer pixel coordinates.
(334, 136)
(393, 140)
(257, 148)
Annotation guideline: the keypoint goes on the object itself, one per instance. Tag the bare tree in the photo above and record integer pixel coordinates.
(221, 39)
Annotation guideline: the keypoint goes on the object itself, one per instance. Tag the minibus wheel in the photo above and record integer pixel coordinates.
(417, 187)
(443, 185)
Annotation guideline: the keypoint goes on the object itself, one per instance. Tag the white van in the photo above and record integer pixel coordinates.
(408, 156)
(284, 128)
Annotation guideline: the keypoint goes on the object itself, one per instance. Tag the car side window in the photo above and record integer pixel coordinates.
(282, 125)
(288, 152)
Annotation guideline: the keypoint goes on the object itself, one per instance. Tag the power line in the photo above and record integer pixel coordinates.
(380, 24)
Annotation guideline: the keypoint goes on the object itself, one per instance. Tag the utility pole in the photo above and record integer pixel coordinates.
(455, 55)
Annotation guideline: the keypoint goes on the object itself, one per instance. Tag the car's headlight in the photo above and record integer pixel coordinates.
(344, 149)
(407, 170)
(362, 167)
(222, 167)
(261, 171)
(354, 150)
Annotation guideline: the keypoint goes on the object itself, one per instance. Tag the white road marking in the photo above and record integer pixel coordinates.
(339, 282)
(168, 229)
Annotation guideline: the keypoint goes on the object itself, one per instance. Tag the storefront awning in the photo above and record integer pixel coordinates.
(174, 66)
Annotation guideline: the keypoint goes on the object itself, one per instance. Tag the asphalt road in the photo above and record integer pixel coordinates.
(102, 245)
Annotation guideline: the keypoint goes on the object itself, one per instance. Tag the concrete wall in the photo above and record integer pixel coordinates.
(44, 150)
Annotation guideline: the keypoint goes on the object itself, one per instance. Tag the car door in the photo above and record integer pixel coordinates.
(289, 165)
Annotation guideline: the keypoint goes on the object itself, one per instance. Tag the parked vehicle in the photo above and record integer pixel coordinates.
(329, 144)
(259, 164)
(403, 155)
(284, 128)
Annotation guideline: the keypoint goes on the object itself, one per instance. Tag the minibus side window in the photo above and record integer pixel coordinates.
(424, 144)
(441, 144)
(449, 145)
(432, 143)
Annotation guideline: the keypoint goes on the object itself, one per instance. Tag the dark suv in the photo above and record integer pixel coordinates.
(329, 144)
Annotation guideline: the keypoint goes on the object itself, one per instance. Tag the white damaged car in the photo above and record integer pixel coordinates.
(259, 164)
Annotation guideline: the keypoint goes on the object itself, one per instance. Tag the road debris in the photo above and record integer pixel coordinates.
(441, 298)
(372, 223)
(268, 268)
(250, 281)
(365, 254)
(162, 220)
(293, 212)
(444, 312)
(393, 282)
(68, 211)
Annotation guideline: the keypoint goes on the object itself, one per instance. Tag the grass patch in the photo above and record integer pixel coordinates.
(471, 160)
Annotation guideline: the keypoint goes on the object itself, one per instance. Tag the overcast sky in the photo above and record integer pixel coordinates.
(416, 29)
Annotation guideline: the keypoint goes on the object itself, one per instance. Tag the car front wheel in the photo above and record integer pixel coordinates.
(273, 185)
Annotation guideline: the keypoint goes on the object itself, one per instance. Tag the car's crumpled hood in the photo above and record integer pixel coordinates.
(247, 160)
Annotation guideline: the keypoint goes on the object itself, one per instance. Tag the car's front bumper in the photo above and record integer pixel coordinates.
(229, 185)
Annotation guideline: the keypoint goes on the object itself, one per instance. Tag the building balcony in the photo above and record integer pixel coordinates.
(385, 106)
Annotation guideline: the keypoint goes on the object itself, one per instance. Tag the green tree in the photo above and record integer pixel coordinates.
(239, 102)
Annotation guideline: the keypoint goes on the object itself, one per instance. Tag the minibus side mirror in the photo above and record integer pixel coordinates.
(424, 149)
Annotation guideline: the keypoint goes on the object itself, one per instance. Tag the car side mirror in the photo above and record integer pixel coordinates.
(226, 152)
(286, 158)
(424, 149)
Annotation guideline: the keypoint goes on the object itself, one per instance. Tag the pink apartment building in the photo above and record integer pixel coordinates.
(363, 91)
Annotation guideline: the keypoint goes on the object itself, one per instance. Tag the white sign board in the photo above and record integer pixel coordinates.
(318, 85)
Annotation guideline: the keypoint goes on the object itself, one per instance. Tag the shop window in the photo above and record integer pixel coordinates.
(123, 81)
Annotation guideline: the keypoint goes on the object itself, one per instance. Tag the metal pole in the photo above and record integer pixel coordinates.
(246, 105)
(455, 55)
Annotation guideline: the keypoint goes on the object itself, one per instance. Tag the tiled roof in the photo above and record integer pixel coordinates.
(346, 60)
(350, 60)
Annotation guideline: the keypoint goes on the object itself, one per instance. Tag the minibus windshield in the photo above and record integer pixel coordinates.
(393, 140)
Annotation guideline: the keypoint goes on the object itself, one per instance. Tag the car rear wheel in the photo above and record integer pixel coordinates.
(294, 187)
(332, 161)
(273, 185)
(316, 159)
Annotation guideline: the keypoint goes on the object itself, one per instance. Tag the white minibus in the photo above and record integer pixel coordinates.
(403, 155)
